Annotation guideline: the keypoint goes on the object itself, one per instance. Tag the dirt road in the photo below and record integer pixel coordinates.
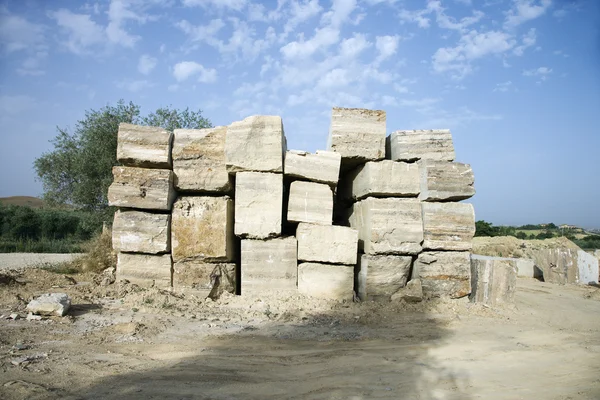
(24, 260)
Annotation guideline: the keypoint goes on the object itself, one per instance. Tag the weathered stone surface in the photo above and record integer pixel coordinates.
(144, 146)
(255, 144)
(323, 167)
(142, 188)
(202, 229)
(258, 205)
(50, 304)
(379, 277)
(330, 244)
(411, 293)
(141, 232)
(204, 279)
(412, 145)
(270, 264)
(199, 160)
(448, 226)
(525, 268)
(310, 202)
(388, 226)
(381, 179)
(444, 273)
(587, 266)
(445, 181)
(493, 280)
(145, 269)
(357, 133)
(325, 281)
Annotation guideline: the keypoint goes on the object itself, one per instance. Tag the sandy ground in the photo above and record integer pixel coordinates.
(124, 342)
(23, 260)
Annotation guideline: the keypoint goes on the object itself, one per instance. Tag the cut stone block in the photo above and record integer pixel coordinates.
(412, 145)
(329, 244)
(50, 304)
(144, 269)
(357, 134)
(448, 226)
(204, 279)
(525, 268)
(255, 144)
(445, 181)
(379, 277)
(444, 273)
(493, 280)
(310, 202)
(269, 265)
(258, 205)
(141, 232)
(333, 282)
(587, 268)
(144, 146)
(202, 229)
(142, 188)
(324, 166)
(411, 293)
(388, 226)
(199, 160)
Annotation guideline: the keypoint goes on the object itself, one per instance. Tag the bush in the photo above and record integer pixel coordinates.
(99, 254)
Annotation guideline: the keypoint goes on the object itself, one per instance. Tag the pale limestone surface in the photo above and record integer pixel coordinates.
(144, 146)
(448, 226)
(493, 280)
(388, 226)
(145, 269)
(204, 279)
(310, 202)
(141, 232)
(56, 304)
(323, 167)
(269, 265)
(329, 244)
(525, 268)
(142, 188)
(444, 273)
(445, 181)
(255, 144)
(587, 268)
(357, 133)
(326, 281)
(383, 178)
(411, 293)
(258, 205)
(412, 145)
(202, 229)
(380, 276)
(199, 160)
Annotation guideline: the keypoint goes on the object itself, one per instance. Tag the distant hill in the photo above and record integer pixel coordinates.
(33, 202)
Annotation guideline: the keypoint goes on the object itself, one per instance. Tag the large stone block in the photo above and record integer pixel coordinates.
(333, 282)
(379, 277)
(199, 160)
(202, 229)
(329, 244)
(526, 268)
(144, 269)
(493, 280)
(270, 264)
(357, 134)
(144, 146)
(323, 167)
(448, 226)
(255, 144)
(388, 226)
(412, 145)
(258, 205)
(204, 279)
(444, 273)
(141, 232)
(310, 202)
(142, 188)
(587, 268)
(445, 181)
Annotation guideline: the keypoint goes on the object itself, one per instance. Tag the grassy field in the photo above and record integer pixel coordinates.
(32, 202)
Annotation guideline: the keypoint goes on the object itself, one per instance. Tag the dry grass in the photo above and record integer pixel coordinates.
(99, 253)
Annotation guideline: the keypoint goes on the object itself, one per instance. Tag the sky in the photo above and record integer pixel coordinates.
(516, 81)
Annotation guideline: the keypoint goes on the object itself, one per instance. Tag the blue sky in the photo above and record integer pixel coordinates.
(517, 81)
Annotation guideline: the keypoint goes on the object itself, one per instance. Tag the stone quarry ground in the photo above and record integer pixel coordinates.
(124, 342)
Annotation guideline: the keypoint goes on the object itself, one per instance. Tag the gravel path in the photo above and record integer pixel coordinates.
(24, 260)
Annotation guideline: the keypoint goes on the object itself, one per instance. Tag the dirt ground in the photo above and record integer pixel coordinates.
(124, 342)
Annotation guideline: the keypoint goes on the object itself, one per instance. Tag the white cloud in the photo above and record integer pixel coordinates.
(146, 64)
(185, 69)
(81, 31)
(299, 13)
(134, 86)
(541, 72)
(444, 21)
(417, 17)
(386, 46)
(337, 77)
(503, 87)
(118, 14)
(236, 5)
(206, 33)
(419, 103)
(352, 47)
(323, 39)
(527, 41)
(440, 118)
(525, 10)
(16, 33)
(340, 13)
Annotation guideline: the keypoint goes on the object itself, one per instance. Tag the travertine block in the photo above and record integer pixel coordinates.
(379, 277)
(381, 179)
(310, 202)
(445, 181)
(324, 166)
(270, 264)
(493, 280)
(144, 269)
(444, 273)
(388, 226)
(143, 188)
(357, 134)
(204, 279)
(333, 282)
(202, 229)
(412, 145)
(199, 160)
(258, 205)
(141, 232)
(330, 244)
(255, 144)
(448, 226)
(144, 146)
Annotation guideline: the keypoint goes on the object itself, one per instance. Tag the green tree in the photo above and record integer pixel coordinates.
(521, 235)
(483, 228)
